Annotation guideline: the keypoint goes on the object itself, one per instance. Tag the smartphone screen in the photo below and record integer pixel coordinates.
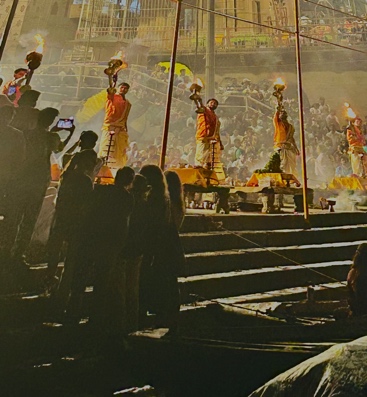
(65, 123)
(12, 90)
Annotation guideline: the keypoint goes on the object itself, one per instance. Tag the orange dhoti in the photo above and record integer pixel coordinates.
(115, 139)
(113, 146)
(358, 160)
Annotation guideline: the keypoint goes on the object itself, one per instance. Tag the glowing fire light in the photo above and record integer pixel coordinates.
(119, 58)
(199, 82)
(40, 42)
(279, 81)
(350, 113)
(119, 55)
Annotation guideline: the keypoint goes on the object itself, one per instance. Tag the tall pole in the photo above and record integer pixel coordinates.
(300, 112)
(210, 56)
(82, 68)
(170, 85)
(124, 18)
(7, 27)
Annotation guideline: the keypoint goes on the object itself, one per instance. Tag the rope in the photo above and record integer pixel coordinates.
(287, 317)
(220, 226)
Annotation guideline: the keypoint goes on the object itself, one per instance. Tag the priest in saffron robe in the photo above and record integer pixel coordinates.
(356, 141)
(207, 134)
(284, 142)
(115, 139)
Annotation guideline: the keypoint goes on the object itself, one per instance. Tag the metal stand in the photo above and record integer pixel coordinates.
(110, 144)
(212, 162)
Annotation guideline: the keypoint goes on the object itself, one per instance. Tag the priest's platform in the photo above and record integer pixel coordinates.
(271, 187)
(348, 183)
(200, 180)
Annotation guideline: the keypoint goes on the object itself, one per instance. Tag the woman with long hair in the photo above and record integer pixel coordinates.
(176, 196)
(73, 200)
(159, 286)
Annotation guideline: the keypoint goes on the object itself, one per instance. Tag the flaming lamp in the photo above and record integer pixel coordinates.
(279, 87)
(34, 58)
(195, 96)
(350, 113)
(115, 64)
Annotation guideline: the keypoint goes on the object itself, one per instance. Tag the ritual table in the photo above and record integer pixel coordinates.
(201, 180)
(275, 178)
(196, 176)
(271, 187)
(348, 183)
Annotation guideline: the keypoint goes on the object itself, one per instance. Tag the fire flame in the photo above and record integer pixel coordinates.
(279, 81)
(41, 42)
(351, 114)
(119, 55)
(199, 82)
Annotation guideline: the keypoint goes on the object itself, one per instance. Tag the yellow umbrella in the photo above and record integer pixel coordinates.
(91, 107)
(178, 67)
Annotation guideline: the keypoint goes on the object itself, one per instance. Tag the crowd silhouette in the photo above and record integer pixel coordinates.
(121, 238)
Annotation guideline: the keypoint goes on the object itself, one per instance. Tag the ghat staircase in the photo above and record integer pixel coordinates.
(256, 257)
(231, 258)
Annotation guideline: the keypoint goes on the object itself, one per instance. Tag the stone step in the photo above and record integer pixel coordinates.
(25, 311)
(211, 262)
(225, 240)
(208, 221)
(322, 292)
(244, 282)
(222, 285)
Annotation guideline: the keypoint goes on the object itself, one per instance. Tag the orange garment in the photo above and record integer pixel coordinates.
(16, 95)
(280, 131)
(207, 125)
(116, 112)
(285, 144)
(355, 137)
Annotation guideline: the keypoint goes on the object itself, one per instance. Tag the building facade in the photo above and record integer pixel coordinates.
(16, 29)
(151, 22)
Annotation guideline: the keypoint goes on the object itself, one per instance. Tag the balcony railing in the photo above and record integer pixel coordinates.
(159, 38)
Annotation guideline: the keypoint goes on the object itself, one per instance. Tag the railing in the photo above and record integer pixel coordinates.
(159, 38)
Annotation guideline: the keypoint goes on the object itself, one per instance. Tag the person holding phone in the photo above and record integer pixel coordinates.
(35, 178)
(115, 138)
(12, 88)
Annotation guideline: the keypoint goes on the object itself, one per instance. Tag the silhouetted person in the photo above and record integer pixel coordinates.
(26, 116)
(87, 140)
(177, 198)
(133, 251)
(12, 158)
(73, 201)
(357, 282)
(113, 206)
(73, 205)
(159, 286)
(36, 176)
